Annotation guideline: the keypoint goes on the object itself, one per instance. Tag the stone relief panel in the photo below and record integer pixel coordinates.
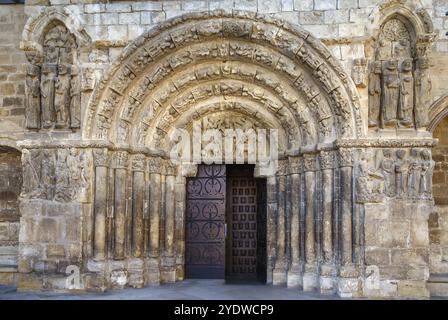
(399, 85)
(394, 173)
(55, 174)
(53, 86)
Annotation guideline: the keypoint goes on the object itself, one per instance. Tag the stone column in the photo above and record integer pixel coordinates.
(271, 226)
(138, 195)
(137, 228)
(185, 170)
(295, 270)
(154, 168)
(169, 271)
(279, 273)
(100, 203)
(310, 272)
(348, 282)
(326, 161)
(120, 207)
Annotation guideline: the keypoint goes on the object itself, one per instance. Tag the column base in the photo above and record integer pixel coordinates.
(152, 275)
(348, 283)
(279, 276)
(326, 279)
(294, 277)
(310, 281)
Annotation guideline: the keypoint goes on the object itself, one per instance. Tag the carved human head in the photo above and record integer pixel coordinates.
(376, 67)
(423, 63)
(387, 153)
(425, 155)
(401, 154)
(406, 65)
(32, 70)
(414, 152)
(63, 69)
(392, 64)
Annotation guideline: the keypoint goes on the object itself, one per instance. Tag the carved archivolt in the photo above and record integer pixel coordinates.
(196, 58)
(437, 112)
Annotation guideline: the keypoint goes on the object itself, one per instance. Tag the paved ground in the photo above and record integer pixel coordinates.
(185, 290)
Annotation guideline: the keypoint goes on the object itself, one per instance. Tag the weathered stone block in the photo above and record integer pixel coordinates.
(55, 250)
(414, 289)
(324, 4)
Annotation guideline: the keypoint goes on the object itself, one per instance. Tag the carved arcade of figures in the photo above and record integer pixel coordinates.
(399, 83)
(53, 88)
(401, 174)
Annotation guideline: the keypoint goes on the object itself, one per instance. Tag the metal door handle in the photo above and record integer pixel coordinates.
(225, 230)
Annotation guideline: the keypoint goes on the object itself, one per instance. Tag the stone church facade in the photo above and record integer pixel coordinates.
(90, 93)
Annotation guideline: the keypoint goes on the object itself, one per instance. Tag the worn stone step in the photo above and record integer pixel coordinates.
(438, 285)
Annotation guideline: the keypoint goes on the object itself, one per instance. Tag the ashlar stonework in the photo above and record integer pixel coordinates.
(106, 85)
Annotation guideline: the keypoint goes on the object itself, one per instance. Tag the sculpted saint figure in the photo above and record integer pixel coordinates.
(425, 173)
(391, 84)
(388, 171)
(374, 93)
(400, 172)
(31, 175)
(32, 97)
(406, 94)
(47, 94)
(359, 72)
(423, 88)
(62, 96)
(414, 173)
(75, 99)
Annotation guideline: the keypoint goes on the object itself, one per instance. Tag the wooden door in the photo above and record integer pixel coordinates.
(244, 210)
(205, 225)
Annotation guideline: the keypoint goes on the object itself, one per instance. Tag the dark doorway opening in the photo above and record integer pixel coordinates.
(226, 224)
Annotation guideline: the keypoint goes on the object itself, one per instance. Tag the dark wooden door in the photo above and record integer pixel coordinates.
(205, 225)
(245, 256)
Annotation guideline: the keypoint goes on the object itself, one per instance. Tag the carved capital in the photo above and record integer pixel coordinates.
(345, 158)
(295, 165)
(138, 162)
(326, 160)
(100, 157)
(121, 159)
(170, 168)
(282, 167)
(155, 165)
(309, 162)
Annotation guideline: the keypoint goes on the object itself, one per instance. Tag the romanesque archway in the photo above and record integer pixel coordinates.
(219, 65)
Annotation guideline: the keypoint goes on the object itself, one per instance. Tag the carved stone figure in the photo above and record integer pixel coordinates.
(32, 97)
(388, 172)
(47, 88)
(48, 174)
(427, 166)
(391, 86)
(414, 173)
(31, 174)
(374, 93)
(370, 183)
(406, 94)
(401, 168)
(62, 96)
(75, 99)
(359, 72)
(423, 87)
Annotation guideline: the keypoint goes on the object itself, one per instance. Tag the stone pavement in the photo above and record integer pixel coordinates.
(191, 289)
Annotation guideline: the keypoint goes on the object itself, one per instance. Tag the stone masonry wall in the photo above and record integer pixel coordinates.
(438, 221)
(12, 70)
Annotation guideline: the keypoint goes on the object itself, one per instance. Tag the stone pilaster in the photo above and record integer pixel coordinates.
(100, 203)
(120, 206)
(168, 266)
